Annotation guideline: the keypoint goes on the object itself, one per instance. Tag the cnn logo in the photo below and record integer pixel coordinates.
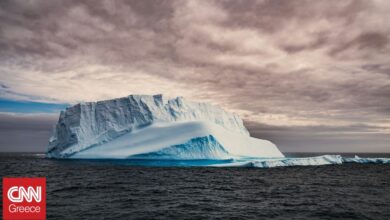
(22, 193)
(24, 198)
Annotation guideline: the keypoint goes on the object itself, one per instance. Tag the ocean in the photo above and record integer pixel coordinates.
(109, 189)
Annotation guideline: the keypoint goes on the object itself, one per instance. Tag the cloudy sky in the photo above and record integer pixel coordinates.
(308, 75)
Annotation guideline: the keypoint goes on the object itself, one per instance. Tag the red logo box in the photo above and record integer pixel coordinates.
(24, 198)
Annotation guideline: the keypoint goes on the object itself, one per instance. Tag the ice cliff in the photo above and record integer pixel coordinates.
(153, 127)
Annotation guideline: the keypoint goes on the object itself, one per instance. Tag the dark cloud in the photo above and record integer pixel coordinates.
(366, 41)
(276, 62)
(27, 122)
(24, 132)
(2, 86)
(353, 138)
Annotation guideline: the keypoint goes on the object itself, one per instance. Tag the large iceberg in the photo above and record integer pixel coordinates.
(154, 127)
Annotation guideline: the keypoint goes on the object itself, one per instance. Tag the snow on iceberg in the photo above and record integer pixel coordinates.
(153, 127)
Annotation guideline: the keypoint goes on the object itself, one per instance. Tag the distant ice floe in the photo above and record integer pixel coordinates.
(304, 161)
(358, 159)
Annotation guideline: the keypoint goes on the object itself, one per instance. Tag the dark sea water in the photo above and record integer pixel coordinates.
(88, 189)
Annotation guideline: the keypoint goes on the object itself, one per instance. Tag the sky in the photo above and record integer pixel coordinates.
(307, 75)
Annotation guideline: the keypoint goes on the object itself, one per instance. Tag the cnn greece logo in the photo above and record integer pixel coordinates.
(28, 194)
(24, 198)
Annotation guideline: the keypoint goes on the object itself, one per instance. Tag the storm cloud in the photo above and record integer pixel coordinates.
(25, 132)
(297, 71)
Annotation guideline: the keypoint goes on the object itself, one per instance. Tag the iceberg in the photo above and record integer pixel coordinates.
(155, 130)
(154, 127)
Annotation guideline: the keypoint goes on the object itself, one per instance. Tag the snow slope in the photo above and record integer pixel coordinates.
(141, 126)
(190, 140)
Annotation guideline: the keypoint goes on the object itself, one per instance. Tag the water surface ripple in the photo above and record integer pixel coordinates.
(79, 189)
